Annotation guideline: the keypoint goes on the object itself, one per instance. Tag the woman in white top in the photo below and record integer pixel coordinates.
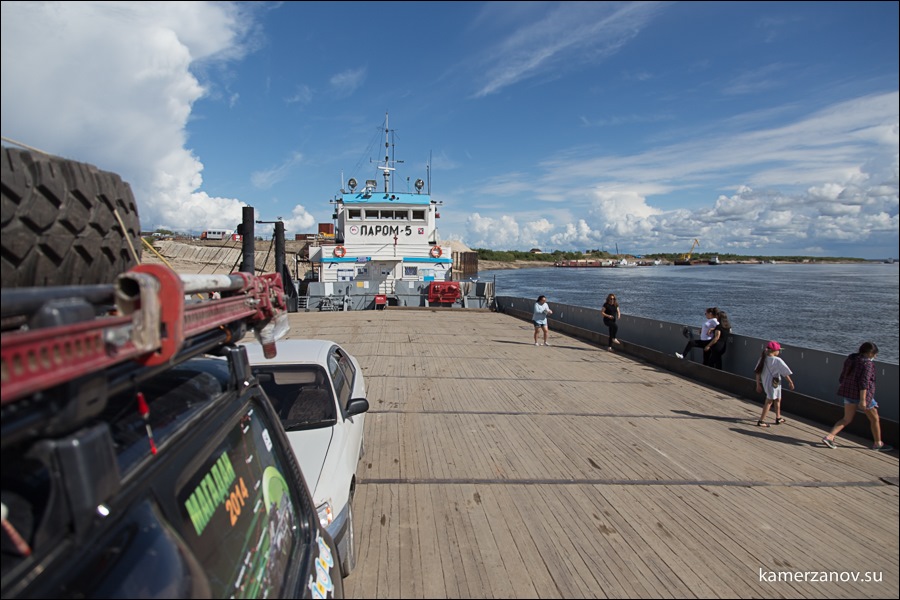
(539, 318)
(706, 334)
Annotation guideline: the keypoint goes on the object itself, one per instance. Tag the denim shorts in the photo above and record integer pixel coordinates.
(536, 324)
(870, 402)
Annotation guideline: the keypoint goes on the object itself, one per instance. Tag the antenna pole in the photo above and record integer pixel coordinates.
(387, 173)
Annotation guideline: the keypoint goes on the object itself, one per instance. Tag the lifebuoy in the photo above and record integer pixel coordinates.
(436, 252)
(340, 251)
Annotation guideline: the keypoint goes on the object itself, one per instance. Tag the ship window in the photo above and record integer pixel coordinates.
(354, 214)
(410, 271)
(387, 214)
(418, 215)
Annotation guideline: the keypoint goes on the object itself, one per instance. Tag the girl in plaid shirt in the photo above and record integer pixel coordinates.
(857, 389)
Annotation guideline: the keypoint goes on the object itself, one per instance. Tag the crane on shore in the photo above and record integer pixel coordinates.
(686, 259)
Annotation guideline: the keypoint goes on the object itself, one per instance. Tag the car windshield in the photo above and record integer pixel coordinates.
(300, 395)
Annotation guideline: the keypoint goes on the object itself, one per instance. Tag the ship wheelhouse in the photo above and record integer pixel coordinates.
(385, 242)
(382, 238)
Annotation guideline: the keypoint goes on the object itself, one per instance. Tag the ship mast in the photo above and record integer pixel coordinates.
(386, 168)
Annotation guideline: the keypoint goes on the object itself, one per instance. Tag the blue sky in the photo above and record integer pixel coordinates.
(755, 127)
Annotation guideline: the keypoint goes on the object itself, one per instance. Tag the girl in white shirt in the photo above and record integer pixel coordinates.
(770, 370)
(539, 318)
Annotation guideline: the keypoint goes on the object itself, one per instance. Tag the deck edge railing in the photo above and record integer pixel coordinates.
(815, 371)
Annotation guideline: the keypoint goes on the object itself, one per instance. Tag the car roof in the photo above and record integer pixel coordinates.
(292, 351)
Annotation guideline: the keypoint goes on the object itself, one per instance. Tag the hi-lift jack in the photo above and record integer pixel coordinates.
(64, 348)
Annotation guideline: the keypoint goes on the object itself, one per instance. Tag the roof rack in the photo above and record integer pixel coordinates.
(71, 341)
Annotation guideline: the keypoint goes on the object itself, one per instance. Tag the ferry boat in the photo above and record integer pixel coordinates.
(386, 249)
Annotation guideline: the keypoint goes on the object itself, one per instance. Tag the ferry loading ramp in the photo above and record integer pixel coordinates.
(497, 469)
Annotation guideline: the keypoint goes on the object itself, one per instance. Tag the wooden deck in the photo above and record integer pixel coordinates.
(497, 469)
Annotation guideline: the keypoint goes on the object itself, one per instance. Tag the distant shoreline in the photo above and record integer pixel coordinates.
(494, 265)
(182, 256)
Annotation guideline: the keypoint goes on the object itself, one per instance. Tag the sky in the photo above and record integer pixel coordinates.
(756, 128)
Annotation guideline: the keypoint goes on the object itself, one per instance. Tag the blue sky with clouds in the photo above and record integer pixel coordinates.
(755, 127)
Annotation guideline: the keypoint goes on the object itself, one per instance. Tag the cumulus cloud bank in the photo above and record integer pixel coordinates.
(111, 83)
(831, 176)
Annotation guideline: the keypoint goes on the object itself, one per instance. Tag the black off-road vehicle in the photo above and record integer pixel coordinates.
(134, 465)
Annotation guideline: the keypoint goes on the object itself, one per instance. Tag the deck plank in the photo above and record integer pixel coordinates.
(498, 469)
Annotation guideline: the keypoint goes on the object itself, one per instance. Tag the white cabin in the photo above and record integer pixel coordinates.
(385, 242)
(381, 238)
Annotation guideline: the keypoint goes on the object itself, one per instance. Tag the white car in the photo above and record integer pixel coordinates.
(318, 390)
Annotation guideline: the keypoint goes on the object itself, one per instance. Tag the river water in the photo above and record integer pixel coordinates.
(832, 307)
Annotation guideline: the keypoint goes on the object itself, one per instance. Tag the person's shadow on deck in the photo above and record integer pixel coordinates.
(552, 345)
(753, 430)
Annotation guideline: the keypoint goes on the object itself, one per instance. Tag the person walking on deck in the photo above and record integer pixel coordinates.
(611, 315)
(770, 370)
(706, 333)
(539, 318)
(856, 387)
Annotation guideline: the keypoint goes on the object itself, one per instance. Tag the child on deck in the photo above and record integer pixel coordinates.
(770, 370)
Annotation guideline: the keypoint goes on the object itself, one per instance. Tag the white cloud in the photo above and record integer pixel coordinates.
(611, 204)
(300, 221)
(830, 175)
(266, 178)
(110, 83)
(302, 95)
(755, 81)
(575, 235)
(486, 232)
(569, 35)
(347, 82)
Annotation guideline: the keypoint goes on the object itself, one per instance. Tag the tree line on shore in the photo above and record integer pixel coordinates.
(561, 255)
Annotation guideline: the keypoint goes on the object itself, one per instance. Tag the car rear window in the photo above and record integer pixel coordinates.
(300, 394)
(172, 398)
(238, 515)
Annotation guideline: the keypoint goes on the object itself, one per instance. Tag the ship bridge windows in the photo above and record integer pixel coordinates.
(387, 214)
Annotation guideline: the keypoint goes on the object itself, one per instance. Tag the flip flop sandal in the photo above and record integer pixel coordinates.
(780, 420)
(761, 424)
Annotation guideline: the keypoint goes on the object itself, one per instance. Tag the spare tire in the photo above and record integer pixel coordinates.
(59, 224)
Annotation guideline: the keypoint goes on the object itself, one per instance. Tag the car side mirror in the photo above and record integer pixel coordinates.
(357, 406)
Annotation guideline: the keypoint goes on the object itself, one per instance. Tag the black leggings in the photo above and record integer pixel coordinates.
(694, 344)
(707, 356)
(715, 357)
(613, 330)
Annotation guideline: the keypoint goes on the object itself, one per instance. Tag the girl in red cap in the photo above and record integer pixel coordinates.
(770, 370)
